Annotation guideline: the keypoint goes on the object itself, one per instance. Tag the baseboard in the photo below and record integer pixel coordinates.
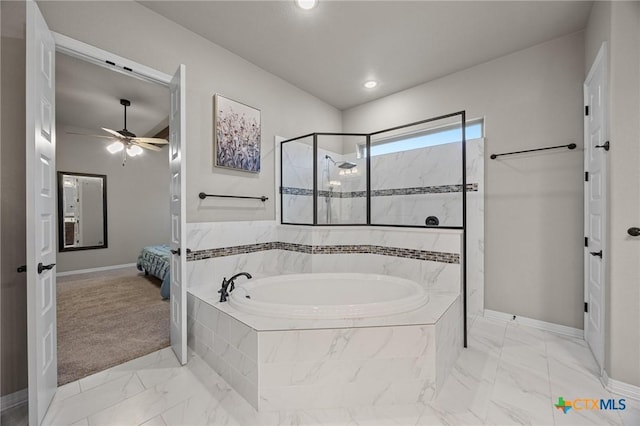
(620, 388)
(530, 322)
(14, 399)
(102, 268)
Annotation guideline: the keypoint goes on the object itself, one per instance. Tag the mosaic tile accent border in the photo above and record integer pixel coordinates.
(438, 189)
(433, 256)
(288, 190)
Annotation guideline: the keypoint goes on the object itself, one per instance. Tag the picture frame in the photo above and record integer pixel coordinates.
(237, 135)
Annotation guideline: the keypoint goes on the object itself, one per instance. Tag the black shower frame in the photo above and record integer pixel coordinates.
(368, 136)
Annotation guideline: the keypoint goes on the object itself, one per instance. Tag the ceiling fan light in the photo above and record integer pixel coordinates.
(115, 147)
(134, 150)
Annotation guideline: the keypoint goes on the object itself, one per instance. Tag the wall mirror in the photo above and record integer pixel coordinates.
(82, 211)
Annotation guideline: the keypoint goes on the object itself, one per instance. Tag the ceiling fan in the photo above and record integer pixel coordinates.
(126, 141)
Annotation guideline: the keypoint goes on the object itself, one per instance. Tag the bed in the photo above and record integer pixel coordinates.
(154, 260)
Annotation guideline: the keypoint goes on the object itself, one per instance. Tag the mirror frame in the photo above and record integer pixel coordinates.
(61, 247)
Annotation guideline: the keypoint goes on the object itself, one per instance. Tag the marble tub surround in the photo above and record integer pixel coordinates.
(427, 256)
(208, 235)
(212, 235)
(428, 314)
(333, 360)
(278, 364)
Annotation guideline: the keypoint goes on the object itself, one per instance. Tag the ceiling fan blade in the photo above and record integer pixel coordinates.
(114, 133)
(93, 136)
(158, 141)
(146, 146)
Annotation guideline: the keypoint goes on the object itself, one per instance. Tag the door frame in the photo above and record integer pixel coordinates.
(86, 52)
(102, 58)
(600, 60)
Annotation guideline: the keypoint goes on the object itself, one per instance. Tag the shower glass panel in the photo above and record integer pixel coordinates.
(341, 180)
(416, 174)
(297, 181)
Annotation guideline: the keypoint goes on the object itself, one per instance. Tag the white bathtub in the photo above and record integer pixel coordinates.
(328, 296)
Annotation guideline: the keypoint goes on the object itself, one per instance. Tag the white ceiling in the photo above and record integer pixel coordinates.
(331, 50)
(88, 97)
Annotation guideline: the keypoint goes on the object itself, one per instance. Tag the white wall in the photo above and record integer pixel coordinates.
(533, 223)
(137, 199)
(618, 23)
(133, 31)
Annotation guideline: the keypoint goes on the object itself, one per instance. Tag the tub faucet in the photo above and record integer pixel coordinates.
(230, 285)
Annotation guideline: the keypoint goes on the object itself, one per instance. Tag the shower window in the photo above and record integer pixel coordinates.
(416, 140)
(414, 175)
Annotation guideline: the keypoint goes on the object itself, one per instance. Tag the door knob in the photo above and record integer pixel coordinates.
(634, 231)
(605, 146)
(597, 253)
(42, 268)
(178, 252)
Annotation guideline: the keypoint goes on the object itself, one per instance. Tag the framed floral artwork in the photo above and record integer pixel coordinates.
(237, 135)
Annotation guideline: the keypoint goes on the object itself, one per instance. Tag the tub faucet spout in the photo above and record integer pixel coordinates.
(228, 285)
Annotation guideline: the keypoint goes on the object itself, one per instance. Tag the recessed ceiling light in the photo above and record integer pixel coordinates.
(370, 84)
(306, 4)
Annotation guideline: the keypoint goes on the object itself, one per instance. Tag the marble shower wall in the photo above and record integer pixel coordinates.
(406, 187)
(475, 230)
(333, 183)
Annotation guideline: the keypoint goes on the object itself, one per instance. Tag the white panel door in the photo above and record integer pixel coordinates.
(595, 133)
(41, 214)
(177, 139)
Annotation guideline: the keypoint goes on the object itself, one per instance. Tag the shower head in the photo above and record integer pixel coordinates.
(341, 164)
(346, 165)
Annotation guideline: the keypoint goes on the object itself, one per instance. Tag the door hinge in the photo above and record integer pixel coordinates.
(586, 241)
(586, 176)
(586, 307)
(586, 110)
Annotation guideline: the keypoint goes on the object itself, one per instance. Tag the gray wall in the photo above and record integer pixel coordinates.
(13, 296)
(137, 199)
(533, 223)
(146, 37)
(618, 23)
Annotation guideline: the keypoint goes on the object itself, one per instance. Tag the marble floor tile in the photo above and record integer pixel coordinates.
(390, 415)
(487, 335)
(530, 358)
(525, 336)
(631, 416)
(159, 372)
(82, 405)
(156, 421)
(124, 369)
(152, 402)
(510, 374)
(469, 386)
(435, 416)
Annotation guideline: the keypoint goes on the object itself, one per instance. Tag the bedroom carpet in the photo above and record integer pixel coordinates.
(107, 318)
